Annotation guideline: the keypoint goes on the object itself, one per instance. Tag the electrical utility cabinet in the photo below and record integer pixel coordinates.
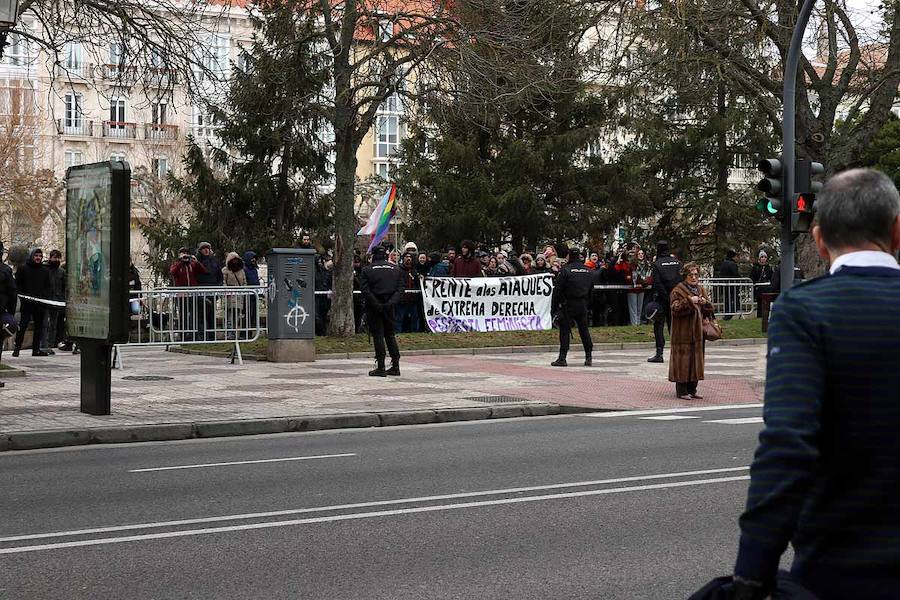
(291, 302)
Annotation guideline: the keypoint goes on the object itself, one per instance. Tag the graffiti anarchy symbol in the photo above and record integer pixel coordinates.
(296, 317)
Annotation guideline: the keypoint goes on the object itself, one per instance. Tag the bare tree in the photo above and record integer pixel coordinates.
(28, 197)
(844, 94)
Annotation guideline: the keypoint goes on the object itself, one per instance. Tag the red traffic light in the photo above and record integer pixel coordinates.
(805, 203)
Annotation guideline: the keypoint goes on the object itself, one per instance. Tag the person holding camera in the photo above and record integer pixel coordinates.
(185, 273)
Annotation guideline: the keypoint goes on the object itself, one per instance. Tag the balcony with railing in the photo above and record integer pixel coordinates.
(160, 132)
(124, 73)
(158, 77)
(119, 130)
(76, 127)
(75, 72)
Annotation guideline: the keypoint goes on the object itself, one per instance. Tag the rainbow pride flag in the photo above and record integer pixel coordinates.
(380, 221)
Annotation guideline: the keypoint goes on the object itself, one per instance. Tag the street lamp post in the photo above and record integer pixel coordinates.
(9, 12)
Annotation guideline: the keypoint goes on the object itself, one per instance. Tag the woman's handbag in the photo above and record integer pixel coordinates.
(712, 331)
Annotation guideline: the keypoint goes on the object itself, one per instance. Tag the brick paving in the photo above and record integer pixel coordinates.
(208, 388)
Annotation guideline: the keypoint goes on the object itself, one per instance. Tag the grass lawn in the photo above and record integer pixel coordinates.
(734, 329)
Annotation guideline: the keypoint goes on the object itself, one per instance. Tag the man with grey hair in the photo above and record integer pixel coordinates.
(826, 474)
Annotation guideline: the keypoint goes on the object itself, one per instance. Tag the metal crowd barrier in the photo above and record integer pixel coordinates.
(731, 297)
(179, 316)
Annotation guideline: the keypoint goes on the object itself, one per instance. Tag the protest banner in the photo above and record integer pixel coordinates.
(488, 304)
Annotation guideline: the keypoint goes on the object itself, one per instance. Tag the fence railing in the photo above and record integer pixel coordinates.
(730, 297)
(195, 315)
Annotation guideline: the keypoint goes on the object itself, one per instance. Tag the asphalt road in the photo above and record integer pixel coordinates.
(580, 506)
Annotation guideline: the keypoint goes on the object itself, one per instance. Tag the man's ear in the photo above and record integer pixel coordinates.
(895, 236)
(820, 243)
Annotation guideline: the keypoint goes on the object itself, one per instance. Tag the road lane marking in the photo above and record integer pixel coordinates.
(668, 418)
(238, 462)
(295, 511)
(745, 421)
(366, 515)
(664, 411)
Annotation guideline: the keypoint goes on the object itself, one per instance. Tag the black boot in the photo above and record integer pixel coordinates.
(587, 360)
(658, 358)
(378, 371)
(559, 362)
(394, 371)
(15, 352)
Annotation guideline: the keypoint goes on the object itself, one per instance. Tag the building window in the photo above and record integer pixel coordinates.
(160, 167)
(74, 111)
(17, 52)
(385, 30)
(117, 112)
(74, 158)
(116, 54)
(158, 111)
(383, 170)
(73, 57)
(389, 131)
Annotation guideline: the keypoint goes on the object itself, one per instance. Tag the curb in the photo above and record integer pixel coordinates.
(12, 372)
(474, 351)
(32, 440)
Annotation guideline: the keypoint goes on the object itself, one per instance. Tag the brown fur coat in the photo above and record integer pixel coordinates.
(687, 355)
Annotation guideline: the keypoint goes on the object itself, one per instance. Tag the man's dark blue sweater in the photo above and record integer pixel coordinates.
(826, 475)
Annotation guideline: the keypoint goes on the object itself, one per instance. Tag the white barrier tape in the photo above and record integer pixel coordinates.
(43, 301)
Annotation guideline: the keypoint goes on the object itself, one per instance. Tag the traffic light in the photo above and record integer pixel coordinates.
(770, 185)
(803, 210)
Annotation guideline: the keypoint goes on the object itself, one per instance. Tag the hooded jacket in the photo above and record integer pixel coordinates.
(233, 271)
(33, 279)
(251, 272)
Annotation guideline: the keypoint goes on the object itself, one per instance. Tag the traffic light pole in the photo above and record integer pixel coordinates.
(788, 134)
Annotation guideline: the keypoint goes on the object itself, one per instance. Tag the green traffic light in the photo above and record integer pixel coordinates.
(772, 210)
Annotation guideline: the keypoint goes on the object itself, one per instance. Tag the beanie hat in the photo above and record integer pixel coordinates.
(203, 245)
(762, 254)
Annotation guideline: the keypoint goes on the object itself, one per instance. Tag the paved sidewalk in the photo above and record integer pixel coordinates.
(200, 388)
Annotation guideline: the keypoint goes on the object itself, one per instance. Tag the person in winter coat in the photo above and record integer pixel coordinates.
(641, 275)
(728, 269)
(8, 298)
(233, 276)
(55, 319)
(690, 304)
(251, 268)
(764, 280)
(33, 280)
(466, 264)
(212, 278)
(666, 276)
(382, 285)
(251, 273)
(540, 265)
(185, 273)
(439, 267)
(406, 310)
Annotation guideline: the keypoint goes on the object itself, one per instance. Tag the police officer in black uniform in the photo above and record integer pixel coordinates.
(382, 285)
(572, 294)
(666, 275)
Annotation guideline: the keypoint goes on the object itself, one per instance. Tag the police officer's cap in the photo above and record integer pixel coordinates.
(378, 252)
(574, 254)
(653, 312)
